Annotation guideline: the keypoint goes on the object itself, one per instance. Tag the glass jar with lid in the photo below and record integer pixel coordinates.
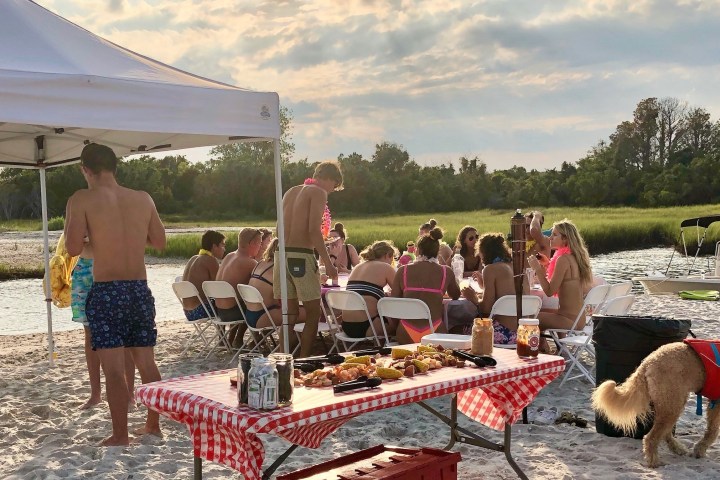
(528, 337)
(481, 342)
(263, 384)
(284, 366)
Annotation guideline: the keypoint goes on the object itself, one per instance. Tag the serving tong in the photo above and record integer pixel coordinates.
(479, 360)
(360, 382)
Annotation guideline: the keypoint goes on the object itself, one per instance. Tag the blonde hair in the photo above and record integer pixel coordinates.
(577, 246)
(379, 249)
(247, 235)
(269, 254)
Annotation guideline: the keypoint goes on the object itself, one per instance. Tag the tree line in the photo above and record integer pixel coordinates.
(668, 154)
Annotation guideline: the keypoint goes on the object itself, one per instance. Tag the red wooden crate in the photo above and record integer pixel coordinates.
(384, 463)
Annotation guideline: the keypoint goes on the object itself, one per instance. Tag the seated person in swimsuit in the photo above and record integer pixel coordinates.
(343, 255)
(466, 245)
(567, 275)
(498, 281)
(369, 279)
(445, 253)
(201, 267)
(428, 281)
(236, 268)
(262, 279)
(267, 237)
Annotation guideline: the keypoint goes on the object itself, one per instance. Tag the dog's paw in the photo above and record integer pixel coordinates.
(653, 461)
(676, 447)
(698, 451)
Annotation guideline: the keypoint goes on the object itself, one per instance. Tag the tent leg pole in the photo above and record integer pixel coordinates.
(281, 245)
(46, 252)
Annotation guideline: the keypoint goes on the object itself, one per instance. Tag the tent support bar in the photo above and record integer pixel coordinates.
(39, 157)
(281, 244)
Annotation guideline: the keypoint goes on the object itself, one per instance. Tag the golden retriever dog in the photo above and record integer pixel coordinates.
(664, 378)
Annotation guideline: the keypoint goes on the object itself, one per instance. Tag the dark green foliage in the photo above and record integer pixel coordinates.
(666, 155)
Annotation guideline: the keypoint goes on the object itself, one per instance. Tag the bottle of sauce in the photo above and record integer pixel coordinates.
(528, 337)
(483, 333)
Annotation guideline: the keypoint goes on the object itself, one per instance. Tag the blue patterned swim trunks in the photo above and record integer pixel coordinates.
(82, 282)
(121, 313)
(201, 311)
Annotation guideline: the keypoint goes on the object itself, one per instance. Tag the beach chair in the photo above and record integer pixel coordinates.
(619, 305)
(573, 342)
(324, 328)
(616, 290)
(185, 290)
(341, 300)
(215, 289)
(507, 305)
(404, 308)
(250, 294)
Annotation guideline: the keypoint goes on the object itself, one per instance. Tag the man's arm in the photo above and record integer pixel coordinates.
(156, 229)
(75, 226)
(317, 207)
(536, 230)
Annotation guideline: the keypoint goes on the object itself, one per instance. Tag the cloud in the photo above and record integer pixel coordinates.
(492, 77)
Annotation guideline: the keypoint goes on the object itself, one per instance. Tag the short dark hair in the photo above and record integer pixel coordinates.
(210, 239)
(98, 158)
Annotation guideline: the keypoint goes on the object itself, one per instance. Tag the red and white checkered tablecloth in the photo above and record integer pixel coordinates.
(225, 433)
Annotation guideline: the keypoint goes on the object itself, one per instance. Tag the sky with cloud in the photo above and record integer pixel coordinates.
(520, 82)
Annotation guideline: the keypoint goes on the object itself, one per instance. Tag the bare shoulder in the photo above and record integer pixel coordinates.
(81, 195)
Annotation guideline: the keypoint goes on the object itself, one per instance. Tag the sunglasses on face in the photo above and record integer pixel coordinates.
(472, 238)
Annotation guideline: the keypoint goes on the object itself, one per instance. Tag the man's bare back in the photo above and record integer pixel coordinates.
(120, 222)
(235, 268)
(199, 269)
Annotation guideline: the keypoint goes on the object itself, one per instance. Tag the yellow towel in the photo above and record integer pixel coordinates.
(61, 267)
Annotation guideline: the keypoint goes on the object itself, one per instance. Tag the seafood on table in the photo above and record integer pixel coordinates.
(402, 363)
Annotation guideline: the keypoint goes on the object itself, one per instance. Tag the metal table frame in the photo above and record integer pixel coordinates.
(458, 434)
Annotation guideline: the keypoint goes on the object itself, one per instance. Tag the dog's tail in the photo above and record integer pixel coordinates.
(623, 404)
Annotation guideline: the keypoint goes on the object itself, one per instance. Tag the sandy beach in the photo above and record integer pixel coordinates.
(43, 434)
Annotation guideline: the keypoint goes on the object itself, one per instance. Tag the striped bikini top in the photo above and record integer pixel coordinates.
(440, 290)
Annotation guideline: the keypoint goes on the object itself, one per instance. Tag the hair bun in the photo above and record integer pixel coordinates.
(436, 233)
(433, 223)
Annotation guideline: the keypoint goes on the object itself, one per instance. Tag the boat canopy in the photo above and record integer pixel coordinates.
(703, 222)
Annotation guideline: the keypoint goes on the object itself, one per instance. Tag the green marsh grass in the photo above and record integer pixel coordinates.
(604, 229)
(8, 272)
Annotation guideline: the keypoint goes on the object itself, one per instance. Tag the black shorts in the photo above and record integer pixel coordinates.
(121, 313)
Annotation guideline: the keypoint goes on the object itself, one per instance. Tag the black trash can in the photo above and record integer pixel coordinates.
(621, 343)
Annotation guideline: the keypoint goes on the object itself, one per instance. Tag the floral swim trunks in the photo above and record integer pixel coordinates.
(503, 335)
(82, 282)
(121, 313)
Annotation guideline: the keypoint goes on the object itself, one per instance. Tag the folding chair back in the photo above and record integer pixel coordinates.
(218, 289)
(619, 305)
(183, 290)
(346, 300)
(250, 294)
(616, 290)
(506, 305)
(405, 309)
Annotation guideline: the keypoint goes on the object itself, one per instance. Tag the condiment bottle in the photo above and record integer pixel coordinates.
(528, 337)
(284, 366)
(482, 337)
(243, 372)
(262, 384)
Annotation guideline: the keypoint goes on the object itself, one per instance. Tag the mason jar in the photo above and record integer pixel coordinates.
(263, 384)
(528, 337)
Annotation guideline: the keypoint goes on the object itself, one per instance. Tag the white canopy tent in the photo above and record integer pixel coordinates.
(62, 87)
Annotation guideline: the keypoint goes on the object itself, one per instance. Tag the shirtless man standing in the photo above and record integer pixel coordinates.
(201, 267)
(236, 268)
(120, 308)
(537, 242)
(303, 209)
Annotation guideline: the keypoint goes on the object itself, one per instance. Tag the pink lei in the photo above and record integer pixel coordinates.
(327, 218)
(558, 253)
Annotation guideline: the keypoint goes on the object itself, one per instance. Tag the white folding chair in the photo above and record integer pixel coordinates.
(404, 308)
(342, 300)
(327, 327)
(183, 290)
(616, 290)
(619, 305)
(507, 305)
(577, 340)
(250, 294)
(218, 289)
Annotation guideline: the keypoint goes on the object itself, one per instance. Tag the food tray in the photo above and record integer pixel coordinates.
(447, 340)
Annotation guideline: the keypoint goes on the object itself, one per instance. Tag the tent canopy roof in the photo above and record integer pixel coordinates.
(61, 82)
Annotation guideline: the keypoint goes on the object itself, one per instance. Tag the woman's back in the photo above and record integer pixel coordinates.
(262, 279)
(570, 293)
(369, 279)
(426, 281)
